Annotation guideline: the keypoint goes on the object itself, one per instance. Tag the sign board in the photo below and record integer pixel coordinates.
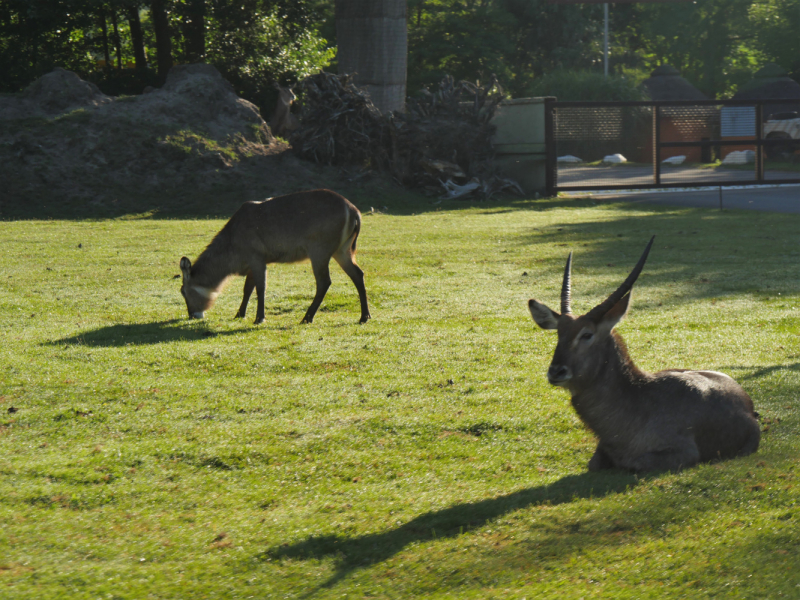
(738, 121)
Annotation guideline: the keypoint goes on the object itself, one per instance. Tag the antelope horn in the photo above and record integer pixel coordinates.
(601, 309)
(566, 288)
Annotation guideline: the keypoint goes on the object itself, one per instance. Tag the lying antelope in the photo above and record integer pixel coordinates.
(315, 225)
(661, 421)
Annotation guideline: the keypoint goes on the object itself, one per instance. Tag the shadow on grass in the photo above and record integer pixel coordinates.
(222, 200)
(358, 552)
(763, 371)
(702, 253)
(141, 334)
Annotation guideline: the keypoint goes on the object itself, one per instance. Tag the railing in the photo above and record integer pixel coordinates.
(671, 144)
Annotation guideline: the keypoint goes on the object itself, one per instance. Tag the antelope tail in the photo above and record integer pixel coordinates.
(356, 231)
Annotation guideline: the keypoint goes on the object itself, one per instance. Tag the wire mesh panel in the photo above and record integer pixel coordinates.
(673, 144)
(728, 154)
(602, 145)
(781, 135)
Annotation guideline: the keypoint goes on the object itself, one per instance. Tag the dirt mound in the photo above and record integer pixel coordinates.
(62, 137)
(61, 91)
(196, 97)
(55, 93)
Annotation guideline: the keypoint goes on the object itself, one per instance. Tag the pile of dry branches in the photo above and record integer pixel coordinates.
(441, 143)
(339, 125)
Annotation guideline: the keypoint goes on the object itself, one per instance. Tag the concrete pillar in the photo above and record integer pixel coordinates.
(373, 43)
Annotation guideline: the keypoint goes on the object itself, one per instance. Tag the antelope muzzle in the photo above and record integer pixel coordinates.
(559, 374)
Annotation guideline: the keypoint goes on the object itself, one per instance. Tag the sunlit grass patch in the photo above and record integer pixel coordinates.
(422, 454)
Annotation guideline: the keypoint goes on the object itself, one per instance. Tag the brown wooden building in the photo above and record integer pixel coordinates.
(678, 124)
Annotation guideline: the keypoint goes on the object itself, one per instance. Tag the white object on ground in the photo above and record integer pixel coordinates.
(674, 160)
(614, 158)
(456, 191)
(739, 157)
(568, 159)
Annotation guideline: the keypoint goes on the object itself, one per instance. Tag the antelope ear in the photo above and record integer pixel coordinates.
(186, 267)
(544, 317)
(615, 314)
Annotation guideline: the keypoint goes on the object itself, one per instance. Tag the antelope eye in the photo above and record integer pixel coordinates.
(586, 336)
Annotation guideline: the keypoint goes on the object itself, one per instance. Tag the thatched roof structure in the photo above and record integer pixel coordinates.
(666, 83)
(770, 81)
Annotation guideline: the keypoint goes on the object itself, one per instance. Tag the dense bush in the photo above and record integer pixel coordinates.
(585, 86)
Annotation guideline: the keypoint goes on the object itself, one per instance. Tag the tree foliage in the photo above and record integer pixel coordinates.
(716, 44)
(710, 41)
(253, 42)
(777, 32)
(586, 86)
(38, 35)
(515, 39)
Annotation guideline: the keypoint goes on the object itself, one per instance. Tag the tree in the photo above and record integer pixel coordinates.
(518, 40)
(158, 13)
(195, 30)
(711, 43)
(137, 37)
(777, 32)
(255, 43)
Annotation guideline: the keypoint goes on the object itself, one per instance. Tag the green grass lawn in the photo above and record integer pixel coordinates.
(143, 455)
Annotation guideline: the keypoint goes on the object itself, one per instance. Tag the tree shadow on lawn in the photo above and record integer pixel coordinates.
(141, 334)
(759, 372)
(716, 254)
(359, 552)
(222, 201)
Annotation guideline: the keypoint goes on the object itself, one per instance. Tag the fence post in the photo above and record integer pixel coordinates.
(759, 142)
(656, 145)
(550, 162)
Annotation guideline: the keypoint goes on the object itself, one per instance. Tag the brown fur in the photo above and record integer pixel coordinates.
(667, 420)
(316, 225)
(283, 122)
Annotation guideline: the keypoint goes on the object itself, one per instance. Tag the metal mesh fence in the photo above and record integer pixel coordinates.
(588, 139)
(638, 144)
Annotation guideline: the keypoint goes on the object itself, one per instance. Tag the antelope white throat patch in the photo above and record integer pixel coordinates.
(205, 292)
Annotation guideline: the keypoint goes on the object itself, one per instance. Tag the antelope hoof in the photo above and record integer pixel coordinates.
(239, 315)
(365, 318)
(307, 321)
(258, 321)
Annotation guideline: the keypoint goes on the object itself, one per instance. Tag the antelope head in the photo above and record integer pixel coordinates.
(584, 342)
(198, 298)
(286, 95)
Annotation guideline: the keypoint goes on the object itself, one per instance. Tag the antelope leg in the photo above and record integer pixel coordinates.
(357, 276)
(260, 280)
(601, 460)
(323, 277)
(249, 286)
(670, 459)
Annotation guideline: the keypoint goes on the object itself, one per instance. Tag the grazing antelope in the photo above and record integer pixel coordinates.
(315, 225)
(283, 121)
(662, 421)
